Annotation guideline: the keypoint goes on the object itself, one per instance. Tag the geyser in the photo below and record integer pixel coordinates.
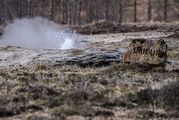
(37, 33)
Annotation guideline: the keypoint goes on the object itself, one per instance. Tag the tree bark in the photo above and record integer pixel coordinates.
(52, 7)
(149, 10)
(89, 12)
(120, 15)
(3, 12)
(29, 8)
(165, 9)
(107, 15)
(135, 10)
(92, 60)
(65, 11)
(79, 12)
(69, 12)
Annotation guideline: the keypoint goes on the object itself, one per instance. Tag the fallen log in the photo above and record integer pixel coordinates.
(91, 60)
(57, 58)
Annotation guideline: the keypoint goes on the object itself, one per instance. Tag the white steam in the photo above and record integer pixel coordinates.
(37, 33)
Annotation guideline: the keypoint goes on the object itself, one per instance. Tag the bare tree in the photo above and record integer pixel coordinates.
(29, 8)
(120, 15)
(124, 11)
(149, 10)
(85, 11)
(165, 9)
(79, 11)
(52, 7)
(65, 11)
(107, 9)
(89, 11)
(2, 12)
(135, 10)
(18, 7)
(68, 11)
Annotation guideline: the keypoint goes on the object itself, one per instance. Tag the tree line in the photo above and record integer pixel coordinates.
(79, 12)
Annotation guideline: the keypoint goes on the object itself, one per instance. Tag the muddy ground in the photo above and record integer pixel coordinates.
(38, 84)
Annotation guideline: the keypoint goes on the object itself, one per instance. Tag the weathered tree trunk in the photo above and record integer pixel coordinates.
(165, 9)
(96, 11)
(120, 15)
(79, 12)
(89, 12)
(149, 10)
(61, 11)
(91, 60)
(74, 12)
(68, 12)
(19, 9)
(75, 19)
(107, 15)
(2, 12)
(93, 12)
(124, 12)
(29, 8)
(135, 11)
(65, 11)
(52, 7)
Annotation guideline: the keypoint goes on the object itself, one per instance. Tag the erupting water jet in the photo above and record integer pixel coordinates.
(37, 33)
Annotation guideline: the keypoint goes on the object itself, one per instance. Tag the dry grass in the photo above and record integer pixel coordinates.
(69, 90)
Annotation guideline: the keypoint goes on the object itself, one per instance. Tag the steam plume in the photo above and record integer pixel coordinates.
(37, 33)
